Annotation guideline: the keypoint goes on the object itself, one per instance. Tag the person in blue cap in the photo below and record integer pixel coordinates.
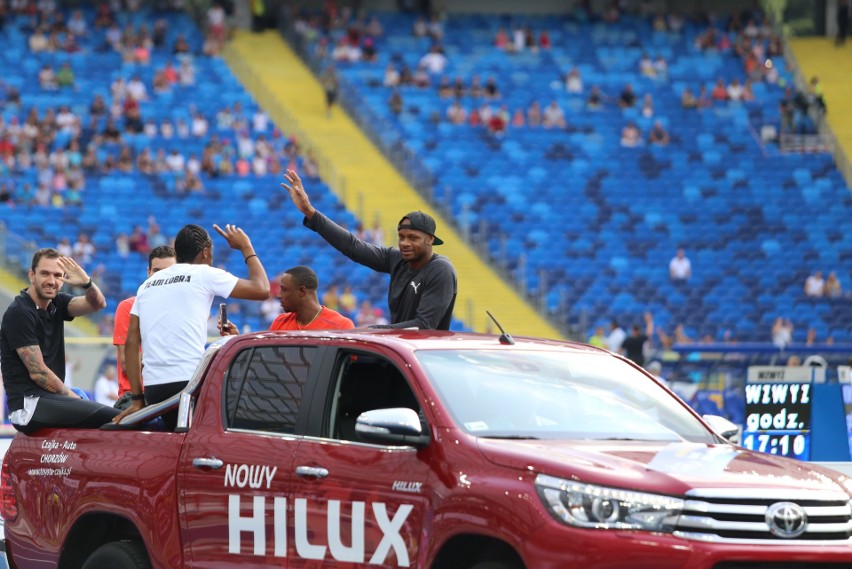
(423, 284)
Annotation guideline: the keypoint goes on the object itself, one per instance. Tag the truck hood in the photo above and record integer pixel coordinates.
(669, 468)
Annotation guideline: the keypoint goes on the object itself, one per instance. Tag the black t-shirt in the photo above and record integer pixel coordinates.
(632, 347)
(24, 324)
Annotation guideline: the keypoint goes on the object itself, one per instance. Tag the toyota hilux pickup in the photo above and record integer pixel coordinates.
(425, 449)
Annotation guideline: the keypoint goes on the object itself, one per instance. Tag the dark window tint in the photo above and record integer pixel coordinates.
(234, 383)
(265, 394)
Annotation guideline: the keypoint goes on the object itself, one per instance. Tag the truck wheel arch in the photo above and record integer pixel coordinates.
(469, 551)
(93, 531)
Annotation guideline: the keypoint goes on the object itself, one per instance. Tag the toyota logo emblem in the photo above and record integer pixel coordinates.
(786, 520)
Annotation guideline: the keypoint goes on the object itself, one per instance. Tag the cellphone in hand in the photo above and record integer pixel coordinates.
(223, 315)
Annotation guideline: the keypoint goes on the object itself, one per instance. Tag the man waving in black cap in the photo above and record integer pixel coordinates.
(423, 284)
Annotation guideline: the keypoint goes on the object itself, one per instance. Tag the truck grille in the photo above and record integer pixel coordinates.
(766, 516)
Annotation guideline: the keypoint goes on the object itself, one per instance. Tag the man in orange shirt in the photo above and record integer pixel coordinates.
(302, 309)
(158, 259)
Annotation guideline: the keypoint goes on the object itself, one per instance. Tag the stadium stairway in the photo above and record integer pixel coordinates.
(364, 180)
(819, 57)
(11, 284)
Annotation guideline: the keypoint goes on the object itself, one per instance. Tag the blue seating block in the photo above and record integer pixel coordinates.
(621, 213)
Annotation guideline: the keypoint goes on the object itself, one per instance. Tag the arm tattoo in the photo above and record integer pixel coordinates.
(91, 301)
(40, 374)
(92, 294)
(95, 298)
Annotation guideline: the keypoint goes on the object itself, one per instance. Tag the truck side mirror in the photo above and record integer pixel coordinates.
(724, 428)
(395, 426)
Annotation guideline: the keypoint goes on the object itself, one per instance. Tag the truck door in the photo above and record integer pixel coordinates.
(354, 502)
(238, 461)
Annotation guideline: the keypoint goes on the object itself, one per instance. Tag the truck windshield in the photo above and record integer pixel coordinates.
(556, 395)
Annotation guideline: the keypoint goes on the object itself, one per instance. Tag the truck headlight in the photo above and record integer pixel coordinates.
(599, 507)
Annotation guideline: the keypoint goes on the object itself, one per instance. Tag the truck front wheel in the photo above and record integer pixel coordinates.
(124, 554)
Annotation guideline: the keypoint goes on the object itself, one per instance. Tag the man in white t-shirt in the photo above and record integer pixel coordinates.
(106, 387)
(175, 161)
(434, 61)
(815, 285)
(169, 316)
(615, 337)
(680, 269)
(84, 250)
(136, 89)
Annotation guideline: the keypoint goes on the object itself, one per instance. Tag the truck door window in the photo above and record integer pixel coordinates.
(264, 388)
(234, 383)
(366, 383)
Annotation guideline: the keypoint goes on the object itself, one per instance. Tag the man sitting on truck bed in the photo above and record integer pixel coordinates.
(32, 347)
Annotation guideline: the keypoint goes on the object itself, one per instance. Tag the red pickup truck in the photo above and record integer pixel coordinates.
(416, 449)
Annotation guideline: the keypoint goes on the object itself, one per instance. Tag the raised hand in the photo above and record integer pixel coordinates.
(75, 275)
(236, 238)
(297, 193)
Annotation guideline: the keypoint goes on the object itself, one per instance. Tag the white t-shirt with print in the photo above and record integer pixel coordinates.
(173, 306)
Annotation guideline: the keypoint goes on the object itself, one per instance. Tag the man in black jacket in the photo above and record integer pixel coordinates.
(423, 284)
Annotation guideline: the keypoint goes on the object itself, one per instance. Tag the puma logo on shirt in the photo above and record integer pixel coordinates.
(414, 286)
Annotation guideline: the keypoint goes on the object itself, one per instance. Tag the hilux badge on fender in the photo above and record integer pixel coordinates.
(412, 487)
(786, 520)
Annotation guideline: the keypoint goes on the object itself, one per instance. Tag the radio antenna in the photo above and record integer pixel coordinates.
(505, 338)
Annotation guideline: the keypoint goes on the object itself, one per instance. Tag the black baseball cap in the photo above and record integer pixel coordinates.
(419, 221)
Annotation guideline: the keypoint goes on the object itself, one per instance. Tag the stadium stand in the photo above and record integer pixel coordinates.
(589, 225)
(373, 188)
(584, 224)
(113, 201)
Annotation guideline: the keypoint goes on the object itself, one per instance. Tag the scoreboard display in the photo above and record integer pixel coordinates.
(795, 412)
(778, 418)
